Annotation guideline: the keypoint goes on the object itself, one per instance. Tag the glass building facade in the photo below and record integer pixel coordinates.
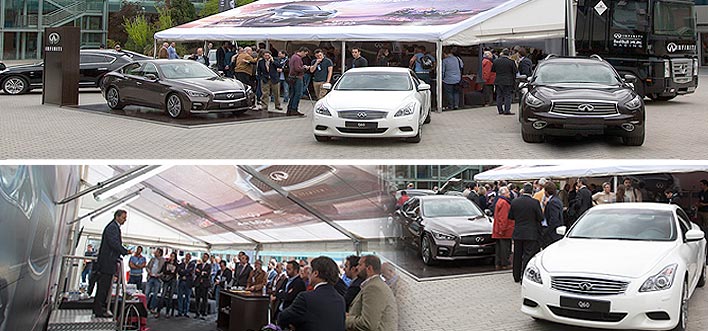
(22, 23)
(430, 176)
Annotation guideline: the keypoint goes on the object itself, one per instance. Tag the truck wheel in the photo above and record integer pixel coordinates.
(529, 136)
(635, 138)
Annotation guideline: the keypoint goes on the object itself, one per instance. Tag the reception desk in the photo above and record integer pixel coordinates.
(242, 310)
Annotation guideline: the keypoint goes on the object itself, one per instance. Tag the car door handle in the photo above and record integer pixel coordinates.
(138, 83)
(103, 69)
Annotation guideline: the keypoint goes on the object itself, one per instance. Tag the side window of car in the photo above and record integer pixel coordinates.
(684, 220)
(410, 205)
(133, 69)
(150, 69)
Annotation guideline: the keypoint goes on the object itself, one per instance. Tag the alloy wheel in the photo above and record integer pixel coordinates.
(426, 250)
(112, 97)
(14, 85)
(174, 106)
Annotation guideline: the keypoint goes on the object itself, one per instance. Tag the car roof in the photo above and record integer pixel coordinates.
(379, 69)
(440, 197)
(637, 206)
(574, 59)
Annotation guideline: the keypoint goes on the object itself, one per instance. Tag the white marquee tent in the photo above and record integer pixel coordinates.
(443, 22)
(575, 170)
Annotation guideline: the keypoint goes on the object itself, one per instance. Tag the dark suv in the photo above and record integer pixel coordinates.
(570, 96)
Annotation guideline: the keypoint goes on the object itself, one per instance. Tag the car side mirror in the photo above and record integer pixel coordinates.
(423, 87)
(2, 66)
(151, 77)
(694, 235)
(327, 86)
(561, 230)
(631, 79)
(488, 212)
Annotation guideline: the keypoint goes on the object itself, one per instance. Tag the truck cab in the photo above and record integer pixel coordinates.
(654, 40)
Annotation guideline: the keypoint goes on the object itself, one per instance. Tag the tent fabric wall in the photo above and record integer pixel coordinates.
(524, 172)
(490, 20)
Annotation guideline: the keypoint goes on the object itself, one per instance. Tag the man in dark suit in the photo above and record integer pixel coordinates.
(506, 70)
(108, 254)
(526, 211)
(553, 214)
(221, 61)
(525, 64)
(202, 283)
(223, 277)
(352, 271)
(269, 76)
(242, 271)
(583, 199)
(286, 293)
(321, 309)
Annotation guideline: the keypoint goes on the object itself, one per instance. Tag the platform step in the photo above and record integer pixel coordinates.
(78, 319)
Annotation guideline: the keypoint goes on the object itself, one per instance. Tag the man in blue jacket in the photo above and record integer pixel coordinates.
(322, 309)
(269, 76)
(553, 213)
(110, 251)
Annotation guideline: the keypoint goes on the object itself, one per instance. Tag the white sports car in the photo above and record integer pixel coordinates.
(621, 266)
(374, 102)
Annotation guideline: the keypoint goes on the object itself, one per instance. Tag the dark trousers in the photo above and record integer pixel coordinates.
(102, 292)
(137, 280)
(488, 94)
(504, 96)
(296, 89)
(524, 250)
(201, 300)
(452, 94)
(93, 277)
(502, 252)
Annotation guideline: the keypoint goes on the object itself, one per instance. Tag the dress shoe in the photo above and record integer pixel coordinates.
(279, 108)
(509, 113)
(107, 314)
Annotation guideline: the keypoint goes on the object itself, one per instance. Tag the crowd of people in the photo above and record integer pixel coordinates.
(305, 295)
(530, 214)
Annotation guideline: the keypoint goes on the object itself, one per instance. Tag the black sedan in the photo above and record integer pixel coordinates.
(180, 87)
(444, 227)
(93, 64)
(571, 96)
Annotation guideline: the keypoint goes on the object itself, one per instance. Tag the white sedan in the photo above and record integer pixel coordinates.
(621, 266)
(374, 102)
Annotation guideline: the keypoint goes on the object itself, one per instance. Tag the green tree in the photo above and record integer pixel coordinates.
(182, 11)
(211, 7)
(140, 33)
(164, 19)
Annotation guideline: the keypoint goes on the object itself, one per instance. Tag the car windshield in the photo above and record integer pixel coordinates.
(674, 19)
(374, 81)
(185, 70)
(575, 73)
(450, 208)
(626, 224)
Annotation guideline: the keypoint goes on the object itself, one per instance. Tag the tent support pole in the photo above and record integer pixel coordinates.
(344, 56)
(438, 76)
(154, 49)
(616, 184)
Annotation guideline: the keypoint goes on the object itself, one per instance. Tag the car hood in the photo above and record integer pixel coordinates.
(25, 67)
(458, 225)
(623, 258)
(209, 84)
(583, 92)
(361, 100)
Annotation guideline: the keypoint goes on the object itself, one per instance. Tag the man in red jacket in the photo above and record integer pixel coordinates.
(503, 229)
(489, 77)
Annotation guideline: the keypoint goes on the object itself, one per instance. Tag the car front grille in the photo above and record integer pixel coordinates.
(480, 239)
(369, 131)
(288, 175)
(589, 286)
(682, 71)
(587, 315)
(362, 115)
(578, 108)
(230, 95)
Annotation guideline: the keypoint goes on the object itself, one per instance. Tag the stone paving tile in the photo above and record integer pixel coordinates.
(29, 130)
(490, 302)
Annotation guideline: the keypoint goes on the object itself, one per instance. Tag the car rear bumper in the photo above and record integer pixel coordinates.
(627, 311)
(398, 127)
(557, 125)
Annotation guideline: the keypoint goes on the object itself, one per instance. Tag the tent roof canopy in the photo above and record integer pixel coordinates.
(575, 170)
(453, 22)
(223, 206)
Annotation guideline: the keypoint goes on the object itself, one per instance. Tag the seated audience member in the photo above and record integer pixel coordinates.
(287, 290)
(374, 309)
(258, 278)
(320, 309)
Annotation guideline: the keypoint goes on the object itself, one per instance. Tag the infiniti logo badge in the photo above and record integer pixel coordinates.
(479, 239)
(586, 107)
(54, 38)
(585, 286)
(671, 47)
(362, 114)
(584, 304)
(278, 176)
(230, 95)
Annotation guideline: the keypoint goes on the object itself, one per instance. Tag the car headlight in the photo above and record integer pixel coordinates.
(442, 236)
(322, 110)
(634, 104)
(533, 274)
(661, 281)
(667, 69)
(193, 93)
(533, 101)
(695, 67)
(408, 109)
(249, 90)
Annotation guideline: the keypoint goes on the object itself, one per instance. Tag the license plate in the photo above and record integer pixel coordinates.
(585, 304)
(475, 250)
(361, 125)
